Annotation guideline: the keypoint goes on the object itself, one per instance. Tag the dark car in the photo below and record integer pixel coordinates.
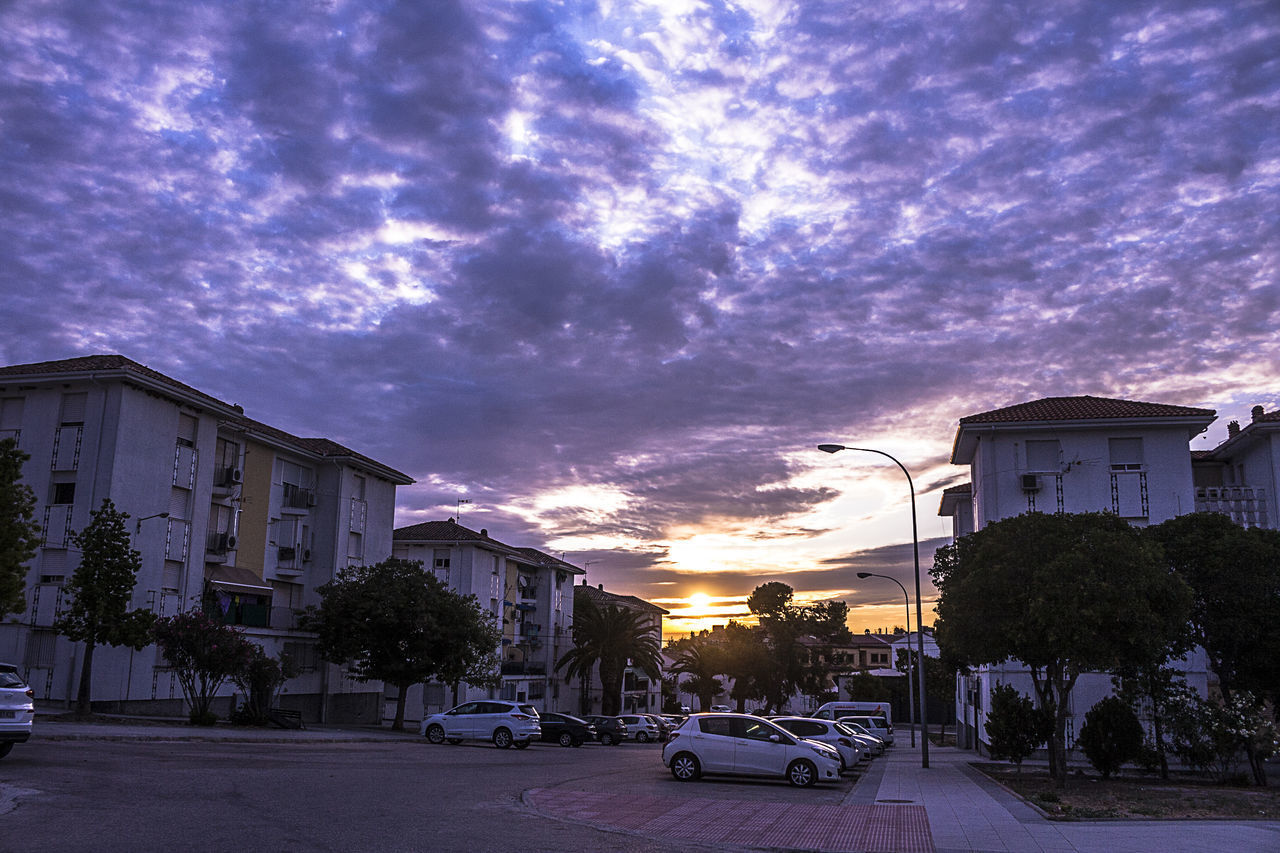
(565, 729)
(610, 731)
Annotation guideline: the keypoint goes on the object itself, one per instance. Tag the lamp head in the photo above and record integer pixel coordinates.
(864, 575)
(831, 448)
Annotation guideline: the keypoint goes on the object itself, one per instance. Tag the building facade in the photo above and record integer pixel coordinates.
(527, 593)
(640, 694)
(1071, 454)
(227, 513)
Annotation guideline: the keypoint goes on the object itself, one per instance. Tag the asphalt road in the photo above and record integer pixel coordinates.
(396, 796)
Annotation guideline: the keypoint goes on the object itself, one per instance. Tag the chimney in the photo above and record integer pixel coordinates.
(601, 587)
(1233, 429)
(1257, 412)
(484, 531)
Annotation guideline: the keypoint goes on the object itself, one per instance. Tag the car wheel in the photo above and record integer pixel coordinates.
(502, 739)
(643, 737)
(455, 740)
(5, 749)
(685, 767)
(566, 739)
(435, 733)
(606, 739)
(522, 744)
(802, 773)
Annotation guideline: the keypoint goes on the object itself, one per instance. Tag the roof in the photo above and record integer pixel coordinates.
(442, 531)
(95, 365)
(126, 369)
(952, 497)
(600, 596)
(1083, 409)
(1076, 412)
(546, 561)
(1261, 423)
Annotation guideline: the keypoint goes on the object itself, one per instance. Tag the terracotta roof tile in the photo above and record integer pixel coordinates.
(1082, 408)
(102, 364)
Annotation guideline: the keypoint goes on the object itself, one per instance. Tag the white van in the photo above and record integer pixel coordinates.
(836, 710)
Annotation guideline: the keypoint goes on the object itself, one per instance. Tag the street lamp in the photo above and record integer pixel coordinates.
(137, 528)
(911, 698)
(915, 542)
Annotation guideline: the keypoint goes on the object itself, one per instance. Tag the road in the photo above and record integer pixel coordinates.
(395, 796)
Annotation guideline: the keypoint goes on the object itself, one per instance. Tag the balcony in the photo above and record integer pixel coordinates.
(296, 497)
(1245, 505)
(516, 667)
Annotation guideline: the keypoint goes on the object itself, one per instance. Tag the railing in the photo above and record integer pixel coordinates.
(296, 497)
(1245, 505)
(515, 667)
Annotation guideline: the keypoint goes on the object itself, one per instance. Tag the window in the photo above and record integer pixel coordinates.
(1044, 456)
(1126, 454)
(63, 493)
(11, 418)
(715, 725)
(357, 491)
(187, 430)
(73, 406)
(441, 560)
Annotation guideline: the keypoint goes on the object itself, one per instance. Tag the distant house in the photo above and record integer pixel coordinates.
(228, 513)
(1079, 454)
(525, 592)
(640, 694)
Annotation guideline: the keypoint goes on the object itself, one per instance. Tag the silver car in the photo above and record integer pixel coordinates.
(831, 733)
(17, 708)
(504, 723)
(745, 745)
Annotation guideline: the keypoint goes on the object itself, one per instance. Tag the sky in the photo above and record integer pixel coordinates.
(610, 271)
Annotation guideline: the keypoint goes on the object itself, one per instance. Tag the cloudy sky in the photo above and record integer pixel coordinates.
(611, 270)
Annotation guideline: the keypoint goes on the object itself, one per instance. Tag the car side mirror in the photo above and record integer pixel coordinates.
(775, 738)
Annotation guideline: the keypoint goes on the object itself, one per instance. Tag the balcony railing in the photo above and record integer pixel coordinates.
(1245, 505)
(296, 497)
(516, 667)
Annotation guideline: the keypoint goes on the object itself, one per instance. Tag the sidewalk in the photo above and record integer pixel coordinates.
(968, 811)
(53, 722)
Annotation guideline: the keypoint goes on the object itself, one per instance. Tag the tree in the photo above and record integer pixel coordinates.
(1063, 594)
(101, 589)
(390, 621)
(204, 653)
(610, 636)
(795, 666)
(1155, 693)
(702, 659)
(261, 678)
(1015, 726)
(468, 650)
(1234, 575)
(19, 533)
(1111, 736)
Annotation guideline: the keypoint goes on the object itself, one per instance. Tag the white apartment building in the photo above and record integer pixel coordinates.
(525, 591)
(228, 513)
(1073, 454)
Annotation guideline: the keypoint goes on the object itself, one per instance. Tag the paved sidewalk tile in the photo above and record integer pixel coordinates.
(742, 823)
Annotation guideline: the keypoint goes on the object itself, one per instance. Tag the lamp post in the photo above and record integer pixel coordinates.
(137, 528)
(911, 698)
(915, 543)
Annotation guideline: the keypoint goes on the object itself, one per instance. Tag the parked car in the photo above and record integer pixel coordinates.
(863, 733)
(17, 708)
(505, 723)
(878, 726)
(664, 726)
(720, 709)
(565, 729)
(610, 731)
(746, 745)
(640, 727)
(831, 733)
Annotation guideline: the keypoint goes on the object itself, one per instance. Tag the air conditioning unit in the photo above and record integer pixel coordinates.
(230, 542)
(235, 476)
(311, 499)
(1030, 482)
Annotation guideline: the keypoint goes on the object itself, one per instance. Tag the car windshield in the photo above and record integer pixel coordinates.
(11, 679)
(843, 729)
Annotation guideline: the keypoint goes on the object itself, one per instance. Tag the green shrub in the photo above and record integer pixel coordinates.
(1015, 727)
(1111, 736)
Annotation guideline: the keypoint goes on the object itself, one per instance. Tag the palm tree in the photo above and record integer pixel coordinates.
(702, 661)
(610, 636)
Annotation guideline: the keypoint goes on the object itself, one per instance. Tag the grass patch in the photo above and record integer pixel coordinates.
(1136, 796)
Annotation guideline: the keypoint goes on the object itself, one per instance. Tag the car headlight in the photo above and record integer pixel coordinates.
(826, 752)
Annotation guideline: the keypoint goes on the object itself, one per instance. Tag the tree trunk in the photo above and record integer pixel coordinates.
(84, 705)
(398, 724)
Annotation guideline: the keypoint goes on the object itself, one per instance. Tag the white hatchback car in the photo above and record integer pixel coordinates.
(878, 726)
(831, 733)
(17, 708)
(745, 745)
(505, 723)
(640, 728)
